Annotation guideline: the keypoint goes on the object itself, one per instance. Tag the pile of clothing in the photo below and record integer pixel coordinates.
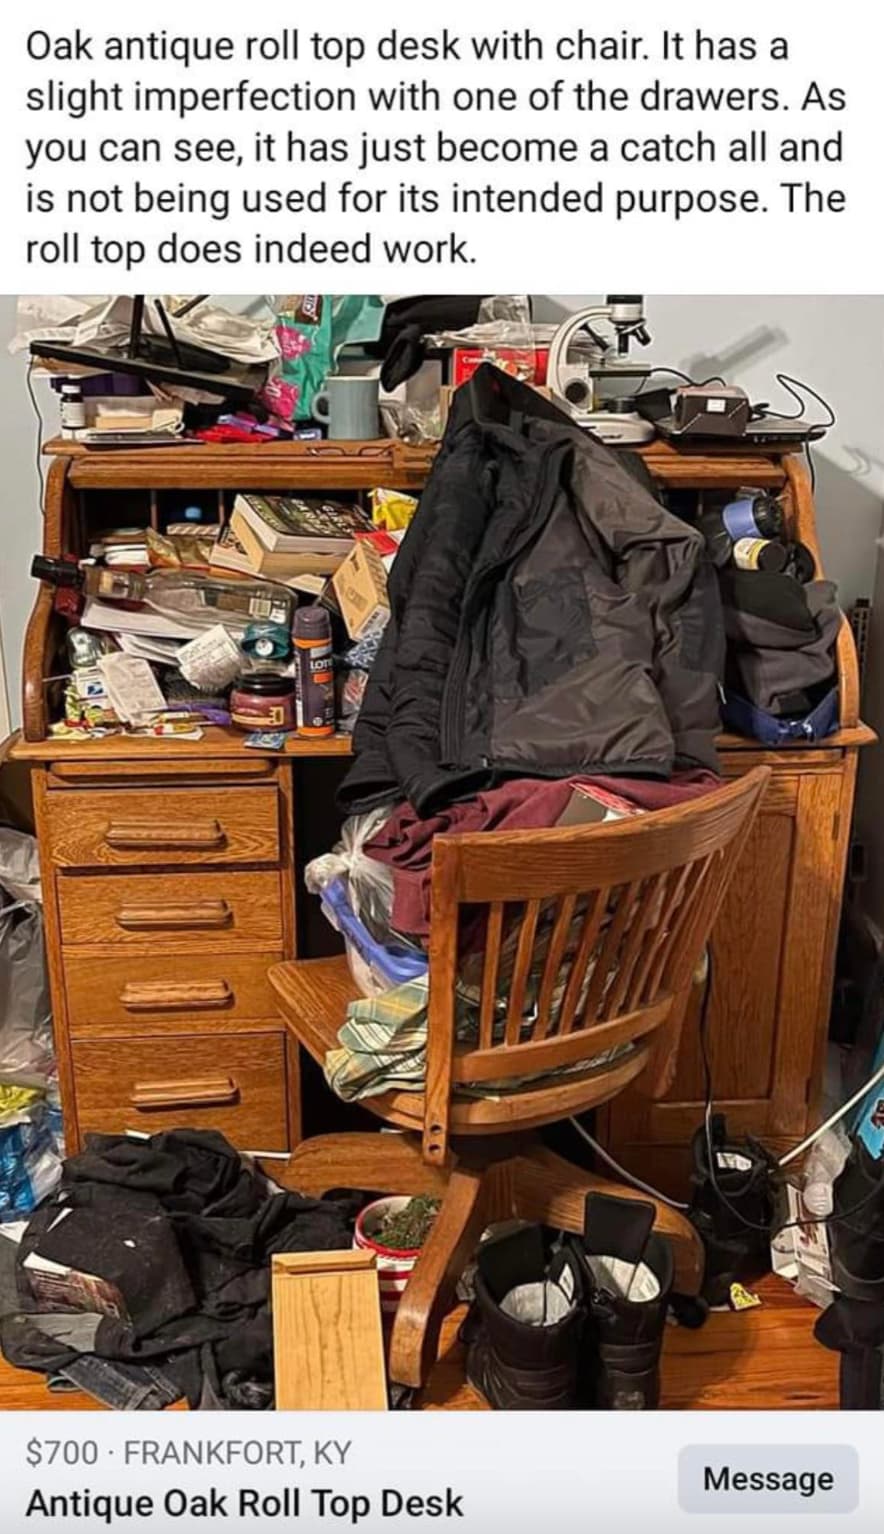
(385, 863)
(548, 618)
(146, 1277)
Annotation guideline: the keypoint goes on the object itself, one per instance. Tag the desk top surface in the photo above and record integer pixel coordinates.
(333, 464)
(382, 447)
(218, 743)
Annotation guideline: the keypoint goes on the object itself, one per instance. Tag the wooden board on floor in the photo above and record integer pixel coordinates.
(766, 1360)
(328, 1346)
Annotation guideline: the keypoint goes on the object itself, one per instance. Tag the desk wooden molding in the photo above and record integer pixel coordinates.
(172, 881)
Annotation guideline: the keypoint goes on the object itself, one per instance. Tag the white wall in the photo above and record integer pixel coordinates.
(836, 344)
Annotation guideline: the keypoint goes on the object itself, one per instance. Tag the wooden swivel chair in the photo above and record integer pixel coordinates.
(604, 928)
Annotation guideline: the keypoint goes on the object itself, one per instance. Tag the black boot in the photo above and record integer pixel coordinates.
(628, 1278)
(856, 1239)
(855, 1329)
(524, 1329)
(853, 1324)
(733, 1214)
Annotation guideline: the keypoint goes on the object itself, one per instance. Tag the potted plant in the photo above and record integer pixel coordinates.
(395, 1229)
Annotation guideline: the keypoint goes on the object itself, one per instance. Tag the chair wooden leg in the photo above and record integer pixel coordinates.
(430, 1290)
(386, 1163)
(551, 1190)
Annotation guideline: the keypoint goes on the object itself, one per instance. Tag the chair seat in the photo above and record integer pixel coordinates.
(313, 996)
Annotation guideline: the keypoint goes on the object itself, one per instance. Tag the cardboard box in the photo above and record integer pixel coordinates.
(526, 362)
(360, 586)
(590, 805)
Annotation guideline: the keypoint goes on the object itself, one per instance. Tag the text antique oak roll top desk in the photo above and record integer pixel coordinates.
(172, 869)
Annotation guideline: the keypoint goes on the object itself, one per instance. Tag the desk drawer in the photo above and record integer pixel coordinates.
(201, 993)
(178, 910)
(114, 828)
(235, 1083)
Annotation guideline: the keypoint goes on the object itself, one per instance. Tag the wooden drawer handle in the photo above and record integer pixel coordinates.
(164, 996)
(203, 913)
(206, 1092)
(199, 836)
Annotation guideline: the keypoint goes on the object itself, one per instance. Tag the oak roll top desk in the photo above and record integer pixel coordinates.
(172, 868)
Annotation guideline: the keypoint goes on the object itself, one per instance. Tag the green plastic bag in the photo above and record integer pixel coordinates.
(311, 331)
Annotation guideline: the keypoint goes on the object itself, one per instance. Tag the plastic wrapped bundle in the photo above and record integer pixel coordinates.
(25, 1016)
(357, 898)
(30, 1151)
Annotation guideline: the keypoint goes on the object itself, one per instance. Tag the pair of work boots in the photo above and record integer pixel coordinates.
(580, 1328)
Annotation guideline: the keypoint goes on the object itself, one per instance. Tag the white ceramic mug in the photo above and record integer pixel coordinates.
(348, 405)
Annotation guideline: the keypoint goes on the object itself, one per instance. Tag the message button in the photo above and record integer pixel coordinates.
(768, 1478)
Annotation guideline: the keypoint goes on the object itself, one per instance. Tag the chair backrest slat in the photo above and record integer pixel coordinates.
(587, 936)
(552, 965)
(646, 908)
(605, 962)
(681, 925)
(490, 967)
(577, 976)
(521, 970)
(676, 881)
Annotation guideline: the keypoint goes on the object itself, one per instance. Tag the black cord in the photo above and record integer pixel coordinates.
(792, 386)
(772, 1229)
(685, 378)
(798, 389)
(39, 459)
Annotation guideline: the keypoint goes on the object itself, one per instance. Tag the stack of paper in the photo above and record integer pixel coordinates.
(121, 620)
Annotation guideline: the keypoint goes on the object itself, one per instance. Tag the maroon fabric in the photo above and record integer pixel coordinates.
(405, 842)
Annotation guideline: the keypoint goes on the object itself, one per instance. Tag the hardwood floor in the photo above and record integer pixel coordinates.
(761, 1359)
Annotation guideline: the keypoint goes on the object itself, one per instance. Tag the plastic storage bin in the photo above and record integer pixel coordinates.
(376, 967)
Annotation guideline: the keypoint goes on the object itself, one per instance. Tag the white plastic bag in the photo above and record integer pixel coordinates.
(369, 883)
(25, 1015)
(105, 321)
(19, 866)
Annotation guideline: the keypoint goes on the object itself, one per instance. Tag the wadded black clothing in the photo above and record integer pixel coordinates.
(185, 1232)
(781, 639)
(548, 617)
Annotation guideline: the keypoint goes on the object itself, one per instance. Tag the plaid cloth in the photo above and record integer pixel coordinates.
(383, 1046)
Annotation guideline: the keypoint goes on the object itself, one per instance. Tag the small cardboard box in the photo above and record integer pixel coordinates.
(360, 585)
(526, 362)
(590, 805)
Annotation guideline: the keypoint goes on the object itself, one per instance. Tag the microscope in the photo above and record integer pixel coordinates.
(599, 388)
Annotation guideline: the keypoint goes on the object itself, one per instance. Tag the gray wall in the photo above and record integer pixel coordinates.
(835, 343)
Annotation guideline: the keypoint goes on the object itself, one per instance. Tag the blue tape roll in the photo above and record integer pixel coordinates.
(739, 518)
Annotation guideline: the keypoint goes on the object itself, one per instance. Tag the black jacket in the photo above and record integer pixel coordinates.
(548, 617)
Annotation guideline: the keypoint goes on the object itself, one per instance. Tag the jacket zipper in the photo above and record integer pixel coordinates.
(454, 697)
